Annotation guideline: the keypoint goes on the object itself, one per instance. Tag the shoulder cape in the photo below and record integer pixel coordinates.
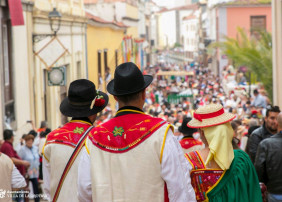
(123, 133)
(69, 134)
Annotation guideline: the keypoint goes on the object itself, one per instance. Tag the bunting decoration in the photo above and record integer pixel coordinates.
(132, 51)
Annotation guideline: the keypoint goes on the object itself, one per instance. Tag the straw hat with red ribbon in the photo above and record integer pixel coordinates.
(210, 115)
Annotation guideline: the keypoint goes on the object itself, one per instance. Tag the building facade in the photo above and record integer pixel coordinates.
(104, 40)
(72, 39)
(225, 18)
(277, 50)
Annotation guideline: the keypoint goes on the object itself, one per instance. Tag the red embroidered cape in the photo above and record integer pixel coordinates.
(188, 142)
(125, 132)
(69, 134)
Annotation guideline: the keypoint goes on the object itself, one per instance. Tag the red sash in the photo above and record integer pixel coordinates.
(123, 133)
(75, 153)
(69, 134)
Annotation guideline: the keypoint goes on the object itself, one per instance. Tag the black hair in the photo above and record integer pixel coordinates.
(32, 132)
(48, 130)
(129, 98)
(8, 134)
(45, 133)
(255, 91)
(271, 108)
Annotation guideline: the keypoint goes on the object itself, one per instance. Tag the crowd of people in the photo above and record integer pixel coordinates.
(230, 140)
(27, 159)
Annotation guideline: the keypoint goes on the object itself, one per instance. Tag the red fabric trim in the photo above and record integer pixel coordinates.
(66, 135)
(62, 143)
(136, 129)
(166, 198)
(187, 143)
(16, 12)
(200, 117)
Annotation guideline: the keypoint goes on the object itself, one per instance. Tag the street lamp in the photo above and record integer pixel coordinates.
(55, 23)
(55, 20)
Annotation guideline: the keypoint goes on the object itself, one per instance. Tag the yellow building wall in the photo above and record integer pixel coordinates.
(100, 38)
(132, 31)
(132, 12)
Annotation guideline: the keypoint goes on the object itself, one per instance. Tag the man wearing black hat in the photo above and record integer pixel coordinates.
(62, 145)
(133, 156)
(188, 143)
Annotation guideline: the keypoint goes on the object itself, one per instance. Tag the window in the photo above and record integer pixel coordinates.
(99, 67)
(258, 23)
(8, 78)
(63, 95)
(78, 69)
(116, 58)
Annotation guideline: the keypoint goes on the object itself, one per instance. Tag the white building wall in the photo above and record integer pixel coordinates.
(277, 49)
(182, 14)
(21, 78)
(167, 29)
(142, 19)
(191, 35)
(105, 11)
(72, 36)
(121, 8)
(211, 24)
(222, 32)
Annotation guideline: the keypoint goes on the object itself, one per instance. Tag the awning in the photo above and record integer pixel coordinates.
(16, 12)
(175, 73)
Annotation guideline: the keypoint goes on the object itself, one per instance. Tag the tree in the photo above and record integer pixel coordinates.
(254, 53)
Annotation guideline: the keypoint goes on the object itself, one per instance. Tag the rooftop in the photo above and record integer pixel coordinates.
(102, 21)
(246, 3)
(187, 7)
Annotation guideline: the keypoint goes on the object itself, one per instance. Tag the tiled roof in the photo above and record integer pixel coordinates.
(90, 1)
(132, 2)
(247, 2)
(102, 21)
(190, 17)
(187, 7)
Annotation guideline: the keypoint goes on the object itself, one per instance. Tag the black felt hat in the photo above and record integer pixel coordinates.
(185, 129)
(83, 100)
(128, 79)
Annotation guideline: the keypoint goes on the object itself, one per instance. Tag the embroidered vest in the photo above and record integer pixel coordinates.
(6, 169)
(125, 155)
(202, 179)
(57, 150)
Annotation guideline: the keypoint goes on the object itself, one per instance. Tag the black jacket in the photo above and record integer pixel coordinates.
(255, 138)
(268, 163)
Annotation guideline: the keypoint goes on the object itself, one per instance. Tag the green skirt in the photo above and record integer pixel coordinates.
(239, 184)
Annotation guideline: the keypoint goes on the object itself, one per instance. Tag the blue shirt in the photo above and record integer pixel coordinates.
(259, 101)
(31, 155)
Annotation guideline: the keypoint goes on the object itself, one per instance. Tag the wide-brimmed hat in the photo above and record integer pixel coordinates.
(185, 129)
(210, 115)
(83, 99)
(128, 80)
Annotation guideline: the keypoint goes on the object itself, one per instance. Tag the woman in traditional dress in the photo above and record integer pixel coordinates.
(188, 142)
(219, 172)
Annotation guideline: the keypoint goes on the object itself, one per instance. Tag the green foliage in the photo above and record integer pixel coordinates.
(177, 45)
(253, 53)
